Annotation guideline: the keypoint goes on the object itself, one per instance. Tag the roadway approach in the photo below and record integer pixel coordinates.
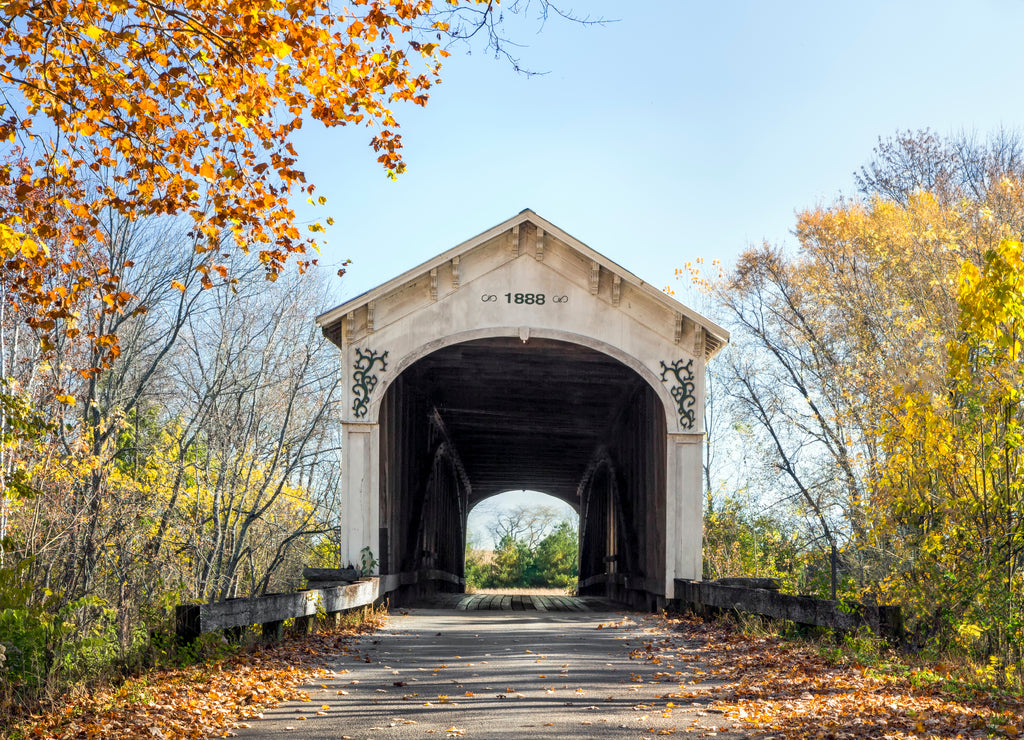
(492, 674)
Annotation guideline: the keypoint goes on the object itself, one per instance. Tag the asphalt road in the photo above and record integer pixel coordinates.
(443, 673)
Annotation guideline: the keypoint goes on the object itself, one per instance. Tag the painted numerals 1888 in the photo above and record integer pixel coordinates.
(530, 299)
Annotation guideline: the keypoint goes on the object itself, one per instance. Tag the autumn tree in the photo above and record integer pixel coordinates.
(190, 108)
(200, 464)
(254, 417)
(829, 338)
(950, 500)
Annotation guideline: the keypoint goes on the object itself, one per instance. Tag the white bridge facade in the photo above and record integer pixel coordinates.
(523, 359)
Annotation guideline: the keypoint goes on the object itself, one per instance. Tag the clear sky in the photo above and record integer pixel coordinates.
(680, 130)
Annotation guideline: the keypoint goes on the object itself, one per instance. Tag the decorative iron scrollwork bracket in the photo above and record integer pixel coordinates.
(683, 392)
(364, 380)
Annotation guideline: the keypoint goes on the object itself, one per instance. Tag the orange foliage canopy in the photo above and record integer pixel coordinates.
(149, 108)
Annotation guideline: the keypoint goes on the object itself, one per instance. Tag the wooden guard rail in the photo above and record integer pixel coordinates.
(270, 612)
(710, 597)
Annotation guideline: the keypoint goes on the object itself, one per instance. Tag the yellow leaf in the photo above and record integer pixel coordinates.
(93, 32)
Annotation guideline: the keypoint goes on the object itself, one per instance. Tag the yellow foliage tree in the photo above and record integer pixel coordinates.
(951, 498)
(843, 341)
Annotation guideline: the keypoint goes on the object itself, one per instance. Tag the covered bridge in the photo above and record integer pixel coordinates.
(523, 359)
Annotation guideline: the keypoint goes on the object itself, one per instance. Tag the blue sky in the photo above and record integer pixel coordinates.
(681, 130)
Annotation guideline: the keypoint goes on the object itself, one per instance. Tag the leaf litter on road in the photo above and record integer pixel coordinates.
(200, 701)
(790, 691)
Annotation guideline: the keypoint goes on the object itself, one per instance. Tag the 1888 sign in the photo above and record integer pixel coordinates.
(526, 299)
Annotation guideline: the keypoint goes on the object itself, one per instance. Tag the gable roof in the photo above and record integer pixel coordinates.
(715, 336)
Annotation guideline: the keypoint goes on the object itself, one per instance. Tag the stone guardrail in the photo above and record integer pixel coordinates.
(270, 612)
(709, 596)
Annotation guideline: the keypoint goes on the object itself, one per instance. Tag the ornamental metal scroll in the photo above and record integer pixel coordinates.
(364, 379)
(683, 393)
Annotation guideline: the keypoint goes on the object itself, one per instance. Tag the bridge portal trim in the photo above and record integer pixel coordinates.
(526, 279)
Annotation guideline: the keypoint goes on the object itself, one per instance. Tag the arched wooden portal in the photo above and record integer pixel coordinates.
(523, 359)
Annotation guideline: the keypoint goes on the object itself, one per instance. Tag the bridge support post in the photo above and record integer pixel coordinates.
(684, 500)
(360, 515)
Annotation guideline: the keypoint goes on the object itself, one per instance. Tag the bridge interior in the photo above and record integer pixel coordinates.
(479, 418)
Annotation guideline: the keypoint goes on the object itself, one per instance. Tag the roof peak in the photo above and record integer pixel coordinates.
(516, 250)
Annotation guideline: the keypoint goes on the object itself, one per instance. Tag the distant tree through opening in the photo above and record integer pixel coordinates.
(522, 540)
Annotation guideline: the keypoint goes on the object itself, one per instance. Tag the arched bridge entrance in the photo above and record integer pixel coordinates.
(522, 359)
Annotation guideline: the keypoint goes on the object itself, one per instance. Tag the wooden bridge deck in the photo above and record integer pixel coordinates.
(519, 602)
